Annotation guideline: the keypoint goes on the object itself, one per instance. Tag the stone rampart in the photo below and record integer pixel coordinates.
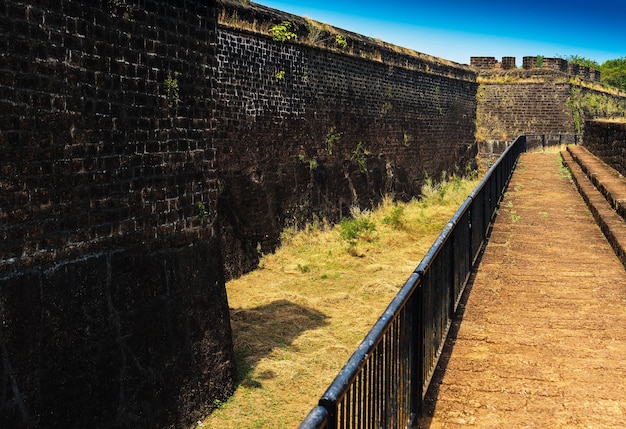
(112, 295)
(537, 63)
(309, 130)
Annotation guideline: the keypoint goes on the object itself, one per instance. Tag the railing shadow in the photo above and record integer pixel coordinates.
(429, 403)
(259, 330)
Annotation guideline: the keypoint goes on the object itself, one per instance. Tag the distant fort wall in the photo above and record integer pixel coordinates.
(544, 96)
(537, 62)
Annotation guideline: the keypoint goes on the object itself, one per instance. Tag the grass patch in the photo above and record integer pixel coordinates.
(299, 317)
(564, 171)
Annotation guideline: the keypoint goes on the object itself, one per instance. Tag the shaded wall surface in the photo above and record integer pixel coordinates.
(112, 301)
(306, 131)
(607, 140)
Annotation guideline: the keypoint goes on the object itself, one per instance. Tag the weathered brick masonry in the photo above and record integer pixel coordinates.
(307, 131)
(112, 301)
(557, 98)
(607, 140)
(526, 104)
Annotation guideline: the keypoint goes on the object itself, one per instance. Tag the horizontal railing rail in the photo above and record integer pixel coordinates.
(536, 141)
(384, 382)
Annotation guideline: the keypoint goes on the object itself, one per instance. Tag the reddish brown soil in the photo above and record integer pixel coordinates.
(541, 342)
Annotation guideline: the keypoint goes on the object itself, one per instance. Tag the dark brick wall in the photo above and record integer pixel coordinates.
(538, 101)
(279, 104)
(112, 295)
(93, 155)
(607, 140)
(506, 110)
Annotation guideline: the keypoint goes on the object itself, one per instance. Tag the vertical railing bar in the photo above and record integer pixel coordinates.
(416, 361)
(372, 396)
(392, 376)
(346, 408)
(355, 411)
(359, 401)
(380, 386)
(391, 388)
(364, 396)
(385, 393)
(398, 379)
(369, 394)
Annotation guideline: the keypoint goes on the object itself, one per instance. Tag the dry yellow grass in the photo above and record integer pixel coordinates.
(298, 318)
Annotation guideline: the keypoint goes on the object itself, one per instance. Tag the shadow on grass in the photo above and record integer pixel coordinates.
(259, 330)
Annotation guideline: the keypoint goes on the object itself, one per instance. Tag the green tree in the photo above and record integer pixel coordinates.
(613, 72)
(582, 61)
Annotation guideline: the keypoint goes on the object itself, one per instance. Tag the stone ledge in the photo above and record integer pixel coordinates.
(606, 179)
(585, 173)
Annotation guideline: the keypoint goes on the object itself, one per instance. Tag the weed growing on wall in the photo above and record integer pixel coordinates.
(203, 213)
(171, 90)
(315, 33)
(437, 100)
(407, 138)
(539, 61)
(340, 41)
(385, 109)
(281, 33)
(359, 155)
(591, 104)
(280, 75)
(576, 113)
(332, 137)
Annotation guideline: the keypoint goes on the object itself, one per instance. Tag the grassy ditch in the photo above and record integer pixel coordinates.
(298, 318)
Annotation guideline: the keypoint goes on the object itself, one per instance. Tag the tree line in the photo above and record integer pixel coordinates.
(613, 72)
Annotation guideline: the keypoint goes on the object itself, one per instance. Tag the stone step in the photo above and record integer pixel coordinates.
(585, 173)
(606, 179)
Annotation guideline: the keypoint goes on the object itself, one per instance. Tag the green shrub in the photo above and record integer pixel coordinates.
(281, 33)
(340, 41)
(354, 229)
(395, 218)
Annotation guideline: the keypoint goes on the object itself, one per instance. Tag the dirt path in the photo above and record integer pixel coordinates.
(542, 343)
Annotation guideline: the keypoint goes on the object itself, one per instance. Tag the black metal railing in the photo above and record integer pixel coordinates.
(384, 382)
(541, 141)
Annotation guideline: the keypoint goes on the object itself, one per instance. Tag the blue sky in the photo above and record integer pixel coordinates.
(459, 29)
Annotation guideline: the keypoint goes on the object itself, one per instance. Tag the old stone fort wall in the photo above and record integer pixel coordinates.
(149, 152)
(112, 297)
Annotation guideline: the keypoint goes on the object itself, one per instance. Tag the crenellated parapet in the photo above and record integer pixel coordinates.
(558, 65)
